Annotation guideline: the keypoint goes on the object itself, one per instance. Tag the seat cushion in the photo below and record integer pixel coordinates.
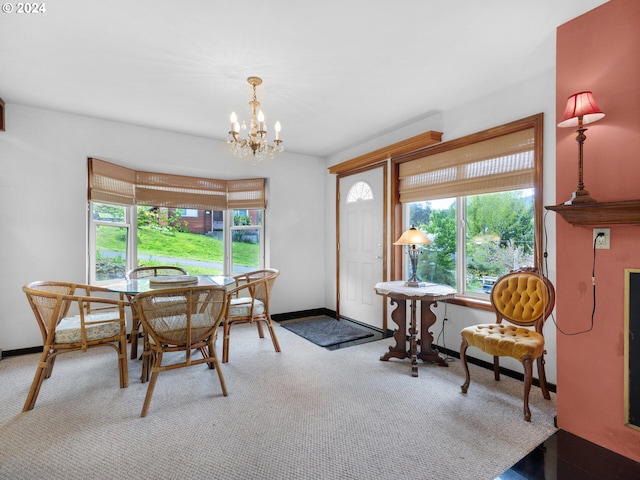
(241, 307)
(68, 330)
(504, 340)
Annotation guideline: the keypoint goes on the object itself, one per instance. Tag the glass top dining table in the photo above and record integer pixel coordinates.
(135, 286)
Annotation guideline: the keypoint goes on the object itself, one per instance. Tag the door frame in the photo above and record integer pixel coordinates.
(385, 202)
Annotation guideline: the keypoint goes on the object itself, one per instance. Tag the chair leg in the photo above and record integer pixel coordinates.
(463, 357)
(147, 360)
(226, 328)
(216, 365)
(52, 361)
(543, 378)
(155, 369)
(133, 338)
(527, 362)
(122, 361)
(44, 367)
(496, 368)
(135, 329)
(272, 332)
(260, 329)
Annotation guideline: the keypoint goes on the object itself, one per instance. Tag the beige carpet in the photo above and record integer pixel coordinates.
(304, 413)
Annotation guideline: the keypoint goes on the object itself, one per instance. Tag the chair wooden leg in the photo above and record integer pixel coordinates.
(463, 357)
(543, 378)
(272, 332)
(527, 362)
(133, 338)
(496, 368)
(155, 369)
(44, 367)
(225, 341)
(216, 365)
(135, 329)
(122, 361)
(147, 360)
(52, 361)
(260, 329)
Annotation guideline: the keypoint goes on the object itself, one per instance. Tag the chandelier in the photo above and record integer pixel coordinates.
(256, 136)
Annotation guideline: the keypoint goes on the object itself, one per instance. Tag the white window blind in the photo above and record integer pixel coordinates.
(111, 183)
(502, 163)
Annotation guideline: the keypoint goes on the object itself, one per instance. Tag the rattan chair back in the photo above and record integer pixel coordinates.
(184, 319)
(74, 317)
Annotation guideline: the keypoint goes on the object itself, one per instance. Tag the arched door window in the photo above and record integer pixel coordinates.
(359, 192)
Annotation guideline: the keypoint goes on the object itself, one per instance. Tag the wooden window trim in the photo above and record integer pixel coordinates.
(400, 148)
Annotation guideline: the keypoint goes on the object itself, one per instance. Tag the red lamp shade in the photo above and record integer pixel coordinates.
(580, 106)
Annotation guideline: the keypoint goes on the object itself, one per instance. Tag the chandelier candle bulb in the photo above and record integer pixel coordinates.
(235, 126)
(278, 127)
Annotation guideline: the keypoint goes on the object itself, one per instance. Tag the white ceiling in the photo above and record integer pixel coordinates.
(336, 72)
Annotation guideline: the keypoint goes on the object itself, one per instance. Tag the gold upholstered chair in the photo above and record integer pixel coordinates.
(524, 298)
(248, 301)
(145, 272)
(75, 317)
(183, 319)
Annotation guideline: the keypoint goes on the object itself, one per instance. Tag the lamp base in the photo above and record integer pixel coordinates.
(579, 197)
(409, 283)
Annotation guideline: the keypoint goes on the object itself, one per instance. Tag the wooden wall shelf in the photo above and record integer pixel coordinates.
(594, 214)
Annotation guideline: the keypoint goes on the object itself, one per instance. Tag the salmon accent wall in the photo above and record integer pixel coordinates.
(598, 51)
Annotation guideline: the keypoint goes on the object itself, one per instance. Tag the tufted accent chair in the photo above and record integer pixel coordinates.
(525, 299)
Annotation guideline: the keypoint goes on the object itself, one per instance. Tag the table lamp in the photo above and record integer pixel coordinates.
(581, 109)
(413, 237)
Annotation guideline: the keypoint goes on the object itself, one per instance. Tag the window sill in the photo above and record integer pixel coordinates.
(471, 303)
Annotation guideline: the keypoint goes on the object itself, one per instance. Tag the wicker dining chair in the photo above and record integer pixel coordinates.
(145, 272)
(184, 319)
(74, 317)
(248, 301)
(523, 298)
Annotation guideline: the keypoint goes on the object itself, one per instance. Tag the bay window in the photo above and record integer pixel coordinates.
(207, 226)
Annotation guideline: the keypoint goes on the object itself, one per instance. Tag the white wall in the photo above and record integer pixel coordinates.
(43, 196)
(522, 100)
(43, 193)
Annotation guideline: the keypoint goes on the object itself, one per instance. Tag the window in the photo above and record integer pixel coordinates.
(110, 238)
(359, 192)
(246, 239)
(163, 222)
(479, 201)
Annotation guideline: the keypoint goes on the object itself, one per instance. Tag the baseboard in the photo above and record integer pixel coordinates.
(22, 351)
(489, 366)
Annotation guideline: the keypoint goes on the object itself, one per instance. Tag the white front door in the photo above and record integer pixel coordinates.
(361, 246)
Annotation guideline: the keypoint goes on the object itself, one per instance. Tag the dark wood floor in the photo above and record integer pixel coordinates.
(565, 456)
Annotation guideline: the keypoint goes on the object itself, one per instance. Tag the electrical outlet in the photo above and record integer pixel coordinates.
(603, 241)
